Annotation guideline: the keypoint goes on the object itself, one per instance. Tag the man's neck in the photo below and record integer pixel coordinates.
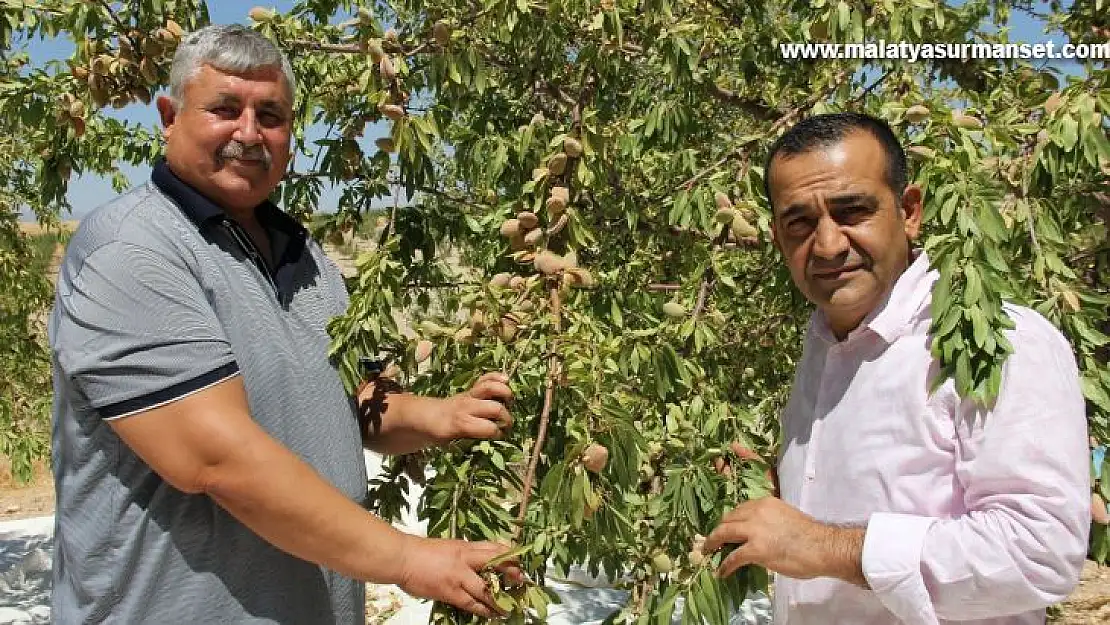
(258, 234)
(841, 329)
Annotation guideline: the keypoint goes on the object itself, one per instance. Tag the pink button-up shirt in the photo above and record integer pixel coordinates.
(979, 518)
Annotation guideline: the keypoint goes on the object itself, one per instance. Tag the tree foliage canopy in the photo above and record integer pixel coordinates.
(626, 138)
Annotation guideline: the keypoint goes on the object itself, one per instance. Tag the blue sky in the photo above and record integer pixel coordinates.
(87, 192)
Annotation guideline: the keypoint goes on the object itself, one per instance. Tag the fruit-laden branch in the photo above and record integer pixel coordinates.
(545, 415)
(357, 48)
(342, 48)
(388, 46)
(725, 208)
(539, 86)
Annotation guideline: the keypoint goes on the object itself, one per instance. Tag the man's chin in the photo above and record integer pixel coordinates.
(847, 296)
(239, 191)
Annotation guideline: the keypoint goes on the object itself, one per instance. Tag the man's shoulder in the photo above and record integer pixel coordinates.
(1033, 332)
(138, 217)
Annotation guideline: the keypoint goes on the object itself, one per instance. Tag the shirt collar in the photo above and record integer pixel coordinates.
(202, 211)
(193, 203)
(894, 315)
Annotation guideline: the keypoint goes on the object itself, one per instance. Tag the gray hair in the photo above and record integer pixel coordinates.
(229, 48)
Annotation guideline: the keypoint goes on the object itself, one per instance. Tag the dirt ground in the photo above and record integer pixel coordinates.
(1090, 603)
(24, 501)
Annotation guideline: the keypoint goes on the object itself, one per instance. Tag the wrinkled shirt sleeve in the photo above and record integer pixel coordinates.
(1023, 469)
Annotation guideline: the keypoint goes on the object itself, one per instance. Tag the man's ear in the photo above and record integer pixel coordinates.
(167, 111)
(912, 209)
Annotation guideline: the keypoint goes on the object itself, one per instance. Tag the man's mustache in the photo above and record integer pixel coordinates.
(825, 266)
(238, 150)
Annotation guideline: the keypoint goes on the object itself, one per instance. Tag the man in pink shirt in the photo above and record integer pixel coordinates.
(897, 505)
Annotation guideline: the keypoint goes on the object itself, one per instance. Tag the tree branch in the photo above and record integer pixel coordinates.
(755, 108)
(867, 91)
(545, 416)
(115, 18)
(708, 277)
(786, 119)
(343, 48)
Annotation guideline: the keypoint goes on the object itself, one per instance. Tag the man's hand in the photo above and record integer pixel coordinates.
(447, 571)
(400, 423)
(480, 412)
(781, 538)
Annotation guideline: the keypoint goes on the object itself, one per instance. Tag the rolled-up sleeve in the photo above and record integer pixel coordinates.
(892, 550)
(1023, 469)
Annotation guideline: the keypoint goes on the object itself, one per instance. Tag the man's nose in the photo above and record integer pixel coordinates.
(829, 241)
(248, 133)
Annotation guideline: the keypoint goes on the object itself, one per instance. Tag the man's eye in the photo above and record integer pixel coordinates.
(225, 111)
(797, 225)
(854, 212)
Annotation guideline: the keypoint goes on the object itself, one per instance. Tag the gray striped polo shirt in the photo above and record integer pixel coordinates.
(161, 295)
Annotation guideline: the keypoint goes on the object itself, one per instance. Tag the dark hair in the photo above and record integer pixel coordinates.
(824, 130)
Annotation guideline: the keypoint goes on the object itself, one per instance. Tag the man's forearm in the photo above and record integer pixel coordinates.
(841, 550)
(394, 422)
(279, 497)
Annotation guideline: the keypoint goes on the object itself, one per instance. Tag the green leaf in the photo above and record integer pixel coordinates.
(1067, 133)
(951, 317)
(942, 294)
(980, 328)
(1089, 334)
(973, 287)
(1096, 393)
(964, 381)
(508, 556)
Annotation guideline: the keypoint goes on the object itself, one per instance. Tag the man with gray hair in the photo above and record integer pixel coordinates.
(207, 458)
